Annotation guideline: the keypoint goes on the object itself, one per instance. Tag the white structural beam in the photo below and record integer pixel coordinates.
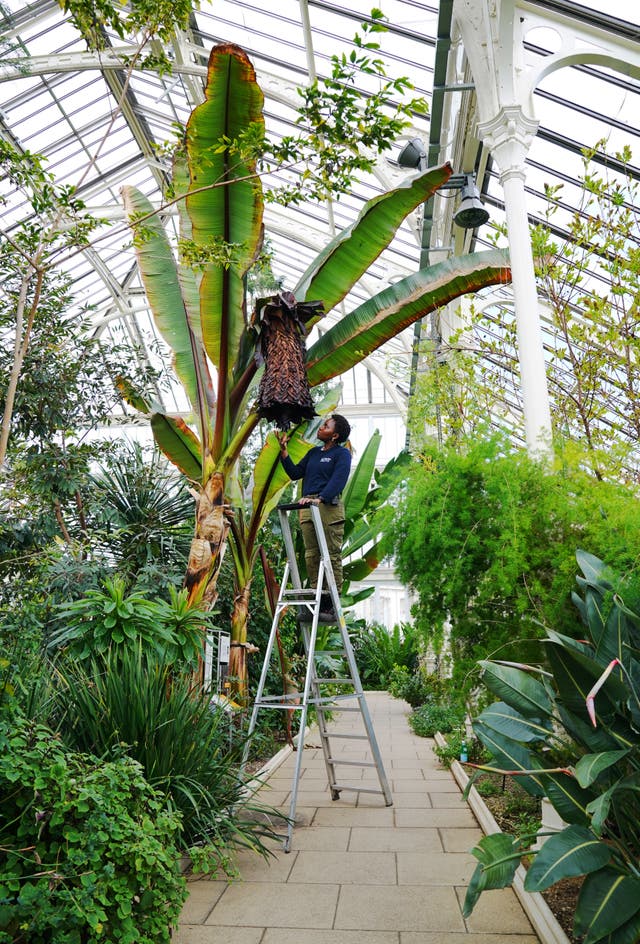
(493, 35)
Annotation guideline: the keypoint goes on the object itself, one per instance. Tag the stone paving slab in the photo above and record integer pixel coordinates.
(360, 872)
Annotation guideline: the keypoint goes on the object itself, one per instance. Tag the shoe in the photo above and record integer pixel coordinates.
(327, 616)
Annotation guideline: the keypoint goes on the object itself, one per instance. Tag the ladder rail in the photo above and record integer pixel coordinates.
(309, 600)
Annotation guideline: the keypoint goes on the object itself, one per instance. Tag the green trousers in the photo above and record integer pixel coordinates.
(333, 523)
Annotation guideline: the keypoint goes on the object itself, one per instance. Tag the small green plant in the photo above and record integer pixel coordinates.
(89, 848)
(419, 687)
(488, 788)
(428, 719)
(111, 617)
(379, 650)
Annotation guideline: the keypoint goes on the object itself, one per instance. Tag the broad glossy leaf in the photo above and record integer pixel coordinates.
(511, 756)
(159, 273)
(518, 689)
(607, 900)
(595, 571)
(222, 213)
(384, 315)
(570, 643)
(589, 767)
(582, 731)
(355, 494)
(599, 809)
(360, 569)
(502, 717)
(575, 674)
(499, 857)
(269, 477)
(337, 268)
(179, 444)
(574, 851)
(568, 798)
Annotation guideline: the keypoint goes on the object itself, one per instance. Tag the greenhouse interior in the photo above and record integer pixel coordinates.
(319, 472)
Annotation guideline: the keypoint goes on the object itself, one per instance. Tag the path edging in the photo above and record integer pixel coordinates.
(537, 910)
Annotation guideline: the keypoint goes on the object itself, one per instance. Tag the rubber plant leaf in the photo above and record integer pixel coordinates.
(179, 444)
(336, 269)
(159, 272)
(386, 314)
(574, 851)
(225, 202)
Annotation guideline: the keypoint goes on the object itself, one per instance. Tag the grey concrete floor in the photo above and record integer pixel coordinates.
(360, 872)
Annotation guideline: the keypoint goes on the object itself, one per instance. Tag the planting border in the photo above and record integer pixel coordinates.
(537, 910)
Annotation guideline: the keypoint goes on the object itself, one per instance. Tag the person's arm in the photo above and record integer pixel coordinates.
(339, 476)
(293, 471)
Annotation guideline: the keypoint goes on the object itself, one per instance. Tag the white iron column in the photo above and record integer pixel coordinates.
(508, 135)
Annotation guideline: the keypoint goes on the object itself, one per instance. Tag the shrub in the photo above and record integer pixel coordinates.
(486, 537)
(89, 848)
(452, 748)
(418, 688)
(183, 744)
(379, 649)
(428, 719)
(111, 617)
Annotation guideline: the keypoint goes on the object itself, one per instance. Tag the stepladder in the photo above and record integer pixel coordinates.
(329, 692)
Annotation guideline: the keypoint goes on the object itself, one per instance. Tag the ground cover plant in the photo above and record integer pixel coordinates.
(584, 712)
(89, 850)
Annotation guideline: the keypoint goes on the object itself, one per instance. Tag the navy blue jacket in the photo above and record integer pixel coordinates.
(324, 473)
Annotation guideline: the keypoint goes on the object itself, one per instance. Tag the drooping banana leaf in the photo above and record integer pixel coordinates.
(505, 719)
(574, 851)
(334, 272)
(517, 688)
(178, 443)
(380, 318)
(607, 900)
(355, 493)
(159, 273)
(225, 202)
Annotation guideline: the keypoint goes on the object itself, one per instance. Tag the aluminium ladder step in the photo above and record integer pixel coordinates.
(309, 601)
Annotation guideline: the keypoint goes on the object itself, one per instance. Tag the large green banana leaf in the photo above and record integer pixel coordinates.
(380, 318)
(608, 899)
(574, 851)
(512, 756)
(502, 717)
(355, 494)
(517, 688)
(499, 857)
(159, 273)
(334, 272)
(178, 443)
(225, 202)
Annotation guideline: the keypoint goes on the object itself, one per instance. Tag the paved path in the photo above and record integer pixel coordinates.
(360, 872)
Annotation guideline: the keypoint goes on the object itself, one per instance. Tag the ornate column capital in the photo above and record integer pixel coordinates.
(508, 135)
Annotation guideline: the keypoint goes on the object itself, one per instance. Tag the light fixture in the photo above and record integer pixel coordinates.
(413, 154)
(471, 212)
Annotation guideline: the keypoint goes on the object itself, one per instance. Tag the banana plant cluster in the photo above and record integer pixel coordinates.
(199, 302)
(587, 706)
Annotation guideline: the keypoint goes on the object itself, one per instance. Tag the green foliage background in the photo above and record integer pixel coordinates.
(486, 537)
